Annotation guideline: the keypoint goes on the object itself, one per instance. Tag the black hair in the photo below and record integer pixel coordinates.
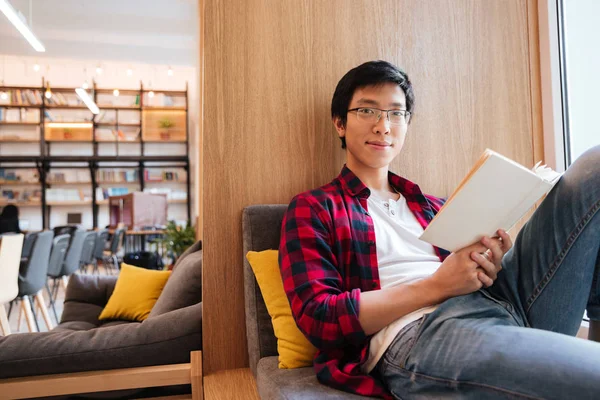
(9, 219)
(10, 211)
(368, 74)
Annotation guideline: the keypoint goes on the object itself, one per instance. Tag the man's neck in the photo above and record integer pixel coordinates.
(374, 179)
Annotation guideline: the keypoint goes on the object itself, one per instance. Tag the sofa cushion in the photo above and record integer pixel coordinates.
(294, 349)
(294, 384)
(136, 292)
(85, 298)
(184, 287)
(165, 339)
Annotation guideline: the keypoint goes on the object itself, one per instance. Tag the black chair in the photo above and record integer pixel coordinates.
(32, 279)
(61, 269)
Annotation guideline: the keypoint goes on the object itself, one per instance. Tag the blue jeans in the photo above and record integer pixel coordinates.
(516, 339)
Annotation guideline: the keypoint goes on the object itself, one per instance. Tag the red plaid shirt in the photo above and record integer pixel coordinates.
(328, 257)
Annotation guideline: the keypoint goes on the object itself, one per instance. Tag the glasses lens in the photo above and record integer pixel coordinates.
(367, 114)
(398, 117)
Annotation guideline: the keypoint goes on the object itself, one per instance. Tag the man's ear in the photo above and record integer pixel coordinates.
(339, 126)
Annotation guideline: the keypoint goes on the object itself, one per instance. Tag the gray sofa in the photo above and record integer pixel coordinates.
(261, 225)
(83, 343)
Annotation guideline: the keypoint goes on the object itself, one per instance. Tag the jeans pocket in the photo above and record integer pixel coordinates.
(418, 330)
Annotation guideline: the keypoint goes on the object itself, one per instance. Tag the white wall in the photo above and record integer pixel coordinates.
(582, 34)
(19, 71)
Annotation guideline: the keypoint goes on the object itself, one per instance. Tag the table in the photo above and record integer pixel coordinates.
(135, 240)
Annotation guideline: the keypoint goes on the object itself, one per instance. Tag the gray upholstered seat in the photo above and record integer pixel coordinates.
(82, 342)
(261, 229)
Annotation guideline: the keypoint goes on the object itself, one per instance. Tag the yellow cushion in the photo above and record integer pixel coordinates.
(136, 291)
(294, 349)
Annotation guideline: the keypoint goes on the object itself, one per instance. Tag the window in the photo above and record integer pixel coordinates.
(578, 35)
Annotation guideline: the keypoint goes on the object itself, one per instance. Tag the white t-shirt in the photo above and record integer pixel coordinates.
(402, 258)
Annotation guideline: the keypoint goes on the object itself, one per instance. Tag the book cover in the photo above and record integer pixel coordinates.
(494, 195)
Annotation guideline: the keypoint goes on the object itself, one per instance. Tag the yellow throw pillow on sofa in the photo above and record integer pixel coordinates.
(136, 292)
(294, 349)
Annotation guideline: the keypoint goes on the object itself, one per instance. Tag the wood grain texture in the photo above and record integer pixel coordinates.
(95, 381)
(270, 70)
(233, 384)
(536, 81)
(200, 153)
(196, 375)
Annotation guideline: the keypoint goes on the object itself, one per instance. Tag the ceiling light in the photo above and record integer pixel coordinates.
(99, 70)
(4, 96)
(85, 85)
(48, 92)
(170, 72)
(17, 19)
(129, 72)
(36, 67)
(85, 97)
(116, 92)
(151, 94)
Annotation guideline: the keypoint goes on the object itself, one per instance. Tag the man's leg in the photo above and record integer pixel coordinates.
(552, 272)
(473, 348)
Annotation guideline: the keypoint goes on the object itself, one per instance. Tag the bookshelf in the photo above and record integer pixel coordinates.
(135, 119)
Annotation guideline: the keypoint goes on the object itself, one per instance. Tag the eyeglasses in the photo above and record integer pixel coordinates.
(373, 115)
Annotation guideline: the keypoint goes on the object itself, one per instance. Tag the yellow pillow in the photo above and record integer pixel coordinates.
(136, 292)
(294, 349)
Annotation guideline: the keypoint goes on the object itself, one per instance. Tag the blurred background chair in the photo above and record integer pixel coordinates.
(28, 244)
(99, 248)
(32, 279)
(110, 256)
(10, 259)
(86, 259)
(64, 260)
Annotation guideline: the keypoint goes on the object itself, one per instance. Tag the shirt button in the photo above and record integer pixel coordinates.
(371, 242)
(374, 285)
(367, 213)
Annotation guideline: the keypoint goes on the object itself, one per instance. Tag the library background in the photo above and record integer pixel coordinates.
(75, 132)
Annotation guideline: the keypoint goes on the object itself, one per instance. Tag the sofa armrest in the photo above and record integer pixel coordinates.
(86, 296)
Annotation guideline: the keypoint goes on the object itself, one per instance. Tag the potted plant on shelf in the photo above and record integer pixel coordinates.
(165, 124)
(176, 240)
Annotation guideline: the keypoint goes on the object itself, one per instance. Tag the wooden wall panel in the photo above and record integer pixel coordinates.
(270, 71)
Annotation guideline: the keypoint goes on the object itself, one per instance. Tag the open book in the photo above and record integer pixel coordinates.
(494, 195)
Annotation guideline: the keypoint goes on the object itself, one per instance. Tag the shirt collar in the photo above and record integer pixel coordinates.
(353, 185)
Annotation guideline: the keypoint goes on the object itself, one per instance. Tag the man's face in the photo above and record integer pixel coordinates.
(373, 145)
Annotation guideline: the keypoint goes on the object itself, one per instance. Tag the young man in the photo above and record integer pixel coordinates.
(392, 316)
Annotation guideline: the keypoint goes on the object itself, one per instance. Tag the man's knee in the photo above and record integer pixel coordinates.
(590, 158)
(585, 170)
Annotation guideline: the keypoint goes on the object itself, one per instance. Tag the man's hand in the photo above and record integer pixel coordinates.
(467, 270)
(491, 260)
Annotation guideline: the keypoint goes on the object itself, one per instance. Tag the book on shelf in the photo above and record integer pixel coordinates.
(494, 195)
(157, 175)
(69, 176)
(112, 176)
(59, 195)
(19, 115)
(104, 194)
(171, 194)
(19, 97)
